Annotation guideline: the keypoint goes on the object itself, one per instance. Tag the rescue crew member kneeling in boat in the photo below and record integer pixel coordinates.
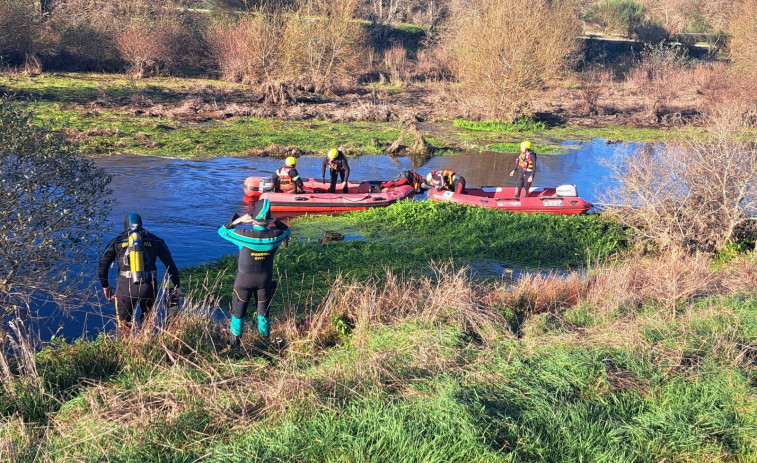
(135, 251)
(287, 175)
(257, 248)
(336, 161)
(446, 180)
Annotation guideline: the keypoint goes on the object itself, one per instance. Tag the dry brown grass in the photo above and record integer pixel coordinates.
(536, 293)
(669, 280)
(447, 296)
(503, 52)
(233, 389)
(743, 29)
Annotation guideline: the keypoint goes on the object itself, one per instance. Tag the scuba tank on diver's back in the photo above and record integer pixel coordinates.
(136, 253)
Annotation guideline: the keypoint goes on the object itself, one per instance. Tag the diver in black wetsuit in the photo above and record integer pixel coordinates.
(257, 248)
(136, 252)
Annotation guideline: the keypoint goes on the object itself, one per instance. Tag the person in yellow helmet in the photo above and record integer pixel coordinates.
(525, 165)
(336, 161)
(288, 175)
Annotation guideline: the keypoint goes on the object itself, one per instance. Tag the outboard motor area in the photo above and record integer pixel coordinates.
(566, 191)
(266, 184)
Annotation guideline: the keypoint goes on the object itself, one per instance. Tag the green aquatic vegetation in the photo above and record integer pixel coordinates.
(408, 235)
(443, 231)
(523, 124)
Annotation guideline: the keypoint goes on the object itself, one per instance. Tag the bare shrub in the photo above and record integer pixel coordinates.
(502, 52)
(743, 30)
(692, 194)
(140, 48)
(593, 83)
(32, 64)
(655, 77)
(148, 36)
(318, 42)
(251, 50)
(395, 60)
(323, 42)
(432, 64)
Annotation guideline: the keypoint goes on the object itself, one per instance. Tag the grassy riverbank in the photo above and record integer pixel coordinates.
(420, 369)
(406, 236)
(201, 118)
(379, 354)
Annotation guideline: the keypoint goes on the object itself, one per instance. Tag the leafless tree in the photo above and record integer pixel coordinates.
(504, 51)
(53, 203)
(695, 194)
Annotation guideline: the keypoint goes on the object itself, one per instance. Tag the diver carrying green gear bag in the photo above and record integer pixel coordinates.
(257, 248)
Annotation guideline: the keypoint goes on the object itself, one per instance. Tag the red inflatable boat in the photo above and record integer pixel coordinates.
(561, 200)
(317, 199)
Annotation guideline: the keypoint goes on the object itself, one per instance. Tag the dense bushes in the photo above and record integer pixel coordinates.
(744, 31)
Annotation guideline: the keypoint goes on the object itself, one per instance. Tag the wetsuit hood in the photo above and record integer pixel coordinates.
(132, 222)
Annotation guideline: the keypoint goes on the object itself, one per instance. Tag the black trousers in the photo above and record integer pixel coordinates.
(129, 294)
(522, 183)
(249, 285)
(334, 175)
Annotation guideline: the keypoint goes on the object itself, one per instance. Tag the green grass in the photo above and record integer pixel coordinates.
(414, 391)
(406, 236)
(93, 108)
(110, 132)
(524, 124)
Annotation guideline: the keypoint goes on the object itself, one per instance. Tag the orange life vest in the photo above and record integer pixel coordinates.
(444, 178)
(336, 164)
(525, 161)
(284, 177)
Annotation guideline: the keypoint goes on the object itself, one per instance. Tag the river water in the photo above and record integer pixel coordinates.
(185, 202)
